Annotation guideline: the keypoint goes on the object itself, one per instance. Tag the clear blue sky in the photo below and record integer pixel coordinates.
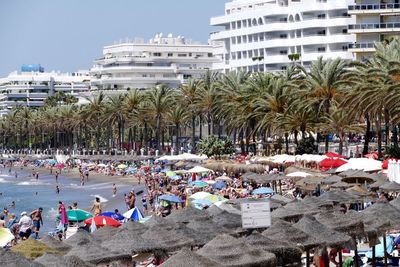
(68, 35)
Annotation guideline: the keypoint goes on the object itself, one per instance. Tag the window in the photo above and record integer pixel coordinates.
(244, 39)
(190, 54)
(170, 54)
(239, 39)
(233, 39)
(182, 55)
(157, 54)
(261, 37)
(321, 49)
(283, 36)
(187, 76)
(250, 38)
(210, 54)
(283, 52)
(321, 16)
(239, 24)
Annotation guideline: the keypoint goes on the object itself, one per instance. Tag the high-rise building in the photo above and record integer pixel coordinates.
(376, 21)
(33, 85)
(164, 60)
(268, 35)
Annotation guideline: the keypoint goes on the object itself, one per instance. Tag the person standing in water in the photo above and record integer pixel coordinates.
(96, 207)
(114, 190)
(37, 176)
(57, 189)
(56, 176)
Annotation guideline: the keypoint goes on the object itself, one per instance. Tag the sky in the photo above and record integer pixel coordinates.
(68, 35)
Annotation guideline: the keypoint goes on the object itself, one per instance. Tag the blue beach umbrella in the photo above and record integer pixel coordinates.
(200, 184)
(134, 214)
(171, 198)
(263, 191)
(131, 170)
(113, 215)
(218, 185)
(52, 161)
(176, 177)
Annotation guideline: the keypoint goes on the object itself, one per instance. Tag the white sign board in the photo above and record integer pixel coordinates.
(256, 215)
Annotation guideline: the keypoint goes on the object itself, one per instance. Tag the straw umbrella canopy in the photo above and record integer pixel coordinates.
(167, 239)
(228, 220)
(12, 259)
(390, 187)
(395, 203)
(341, 185)
(105, 233)
(229, 251)
(341, 197)
(81, 237)
(378, 183)
(188, 214)
(384, 210)
(134, 226)
(55, 244)
(345, 223)
(293, 211)
(332, 179)
(185, 258)
(323, 234)
(207, 228)
(52, 260)
(285, 252)
(94, 253)
(129, 242)
(281, 230)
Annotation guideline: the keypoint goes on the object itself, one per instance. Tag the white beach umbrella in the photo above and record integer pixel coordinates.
(364, 164)
(199, 195)
(298, 174)
(198, 169)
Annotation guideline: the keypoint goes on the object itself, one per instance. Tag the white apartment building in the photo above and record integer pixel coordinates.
(33, 85)
(376, 21)
(261, 35)
(163, 60)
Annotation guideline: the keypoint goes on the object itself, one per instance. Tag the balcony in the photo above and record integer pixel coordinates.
(374, 8)
(374, 27)
(362, 47)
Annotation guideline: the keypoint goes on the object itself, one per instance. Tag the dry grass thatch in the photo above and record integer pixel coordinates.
(32, 249)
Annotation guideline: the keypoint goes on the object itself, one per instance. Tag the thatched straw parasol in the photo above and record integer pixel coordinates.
(341, 185)
(281, 230)
(378, 183)
(344, 223)
(323, 234)
(341, 197)
(52, 260)
(55, 244)
(11, 259)
(293, 211)
(285, 253)
(129, 242)
(228, 220)
(81, 237)
(185, 258)
(167, 239)
(105, 233)
(136, 227)
(94, 253)
(332, 179)
(207, 229)
(31, 249)
(188, 214)
(384, 210)
(214, 210)
(390, 187)
(229, 251)
(395, 203)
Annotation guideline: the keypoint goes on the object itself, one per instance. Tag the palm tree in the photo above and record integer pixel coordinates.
(159, 100)
(94, 112)
(207, 98)
(339, 122)
(188, 97)
(116, 113)
(324, 84)
(178, 116)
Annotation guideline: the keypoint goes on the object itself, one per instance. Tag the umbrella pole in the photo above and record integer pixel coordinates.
(280, 186)
(384, 250)
(307, 258)
(373, 257)
(340, 258)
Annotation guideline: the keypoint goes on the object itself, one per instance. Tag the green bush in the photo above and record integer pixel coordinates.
(307, 146)
(214, 146)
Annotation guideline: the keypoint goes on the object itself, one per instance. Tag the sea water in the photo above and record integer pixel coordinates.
(29, 194)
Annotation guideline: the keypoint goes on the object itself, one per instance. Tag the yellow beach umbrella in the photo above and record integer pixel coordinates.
(122, 166)
(5, 237)
(214, 198)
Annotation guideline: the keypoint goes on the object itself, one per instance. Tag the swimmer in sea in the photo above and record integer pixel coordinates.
(12, 205)
(96, 207)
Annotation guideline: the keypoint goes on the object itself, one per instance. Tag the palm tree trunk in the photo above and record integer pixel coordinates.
(367, 135)
(296, 141)
(326, 143)
(200, 128)
(379, 133)
(395, 136)
(387, 127)
(158, 132)
(242, 147)
(340, 145)
(287, 143)
(193, 131)
(177, 136)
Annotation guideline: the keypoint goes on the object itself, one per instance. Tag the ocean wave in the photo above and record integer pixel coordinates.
(2, 180)
(102, 199)
(32, 183)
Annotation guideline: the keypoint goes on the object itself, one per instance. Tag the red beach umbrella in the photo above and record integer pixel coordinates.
(334, 155)
(329, 163)
(385, 163)
(103, 221)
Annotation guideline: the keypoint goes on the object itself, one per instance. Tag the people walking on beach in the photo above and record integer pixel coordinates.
(2, 221)
(25, 226)
(16, 175)
(37, 220)
(57, 190)
(37, 176)
(96, 206)
(127, 200)
(82, 180)
(56, 176)
(87, 175)
(132, 200)
(114, 190)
